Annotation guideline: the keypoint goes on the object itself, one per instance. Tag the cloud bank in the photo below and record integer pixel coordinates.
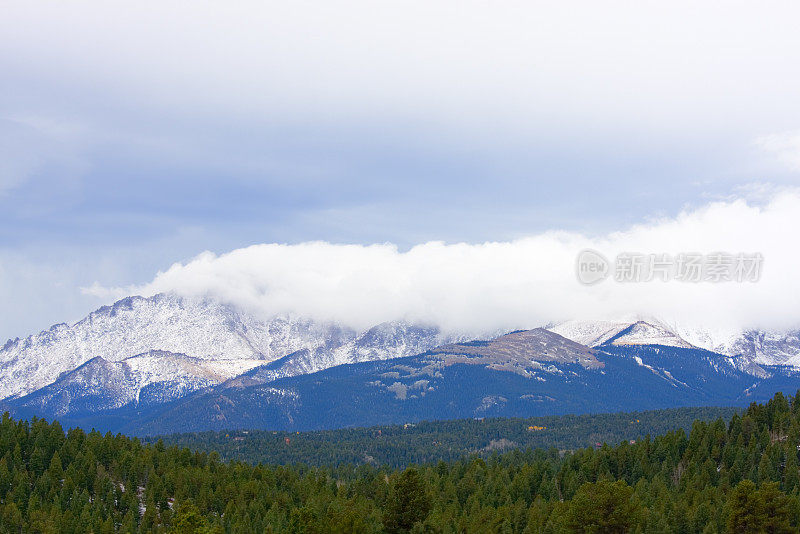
(783, 146)
(523, 283)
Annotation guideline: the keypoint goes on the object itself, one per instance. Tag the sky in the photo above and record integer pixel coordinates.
(145, 139)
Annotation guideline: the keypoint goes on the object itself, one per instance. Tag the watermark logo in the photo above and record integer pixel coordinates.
(592, 267)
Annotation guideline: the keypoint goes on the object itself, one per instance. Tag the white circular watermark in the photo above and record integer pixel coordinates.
(591, 267)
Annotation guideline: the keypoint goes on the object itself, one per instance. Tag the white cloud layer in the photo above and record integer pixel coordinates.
(505, 285)
(462, 62)
(783, 146)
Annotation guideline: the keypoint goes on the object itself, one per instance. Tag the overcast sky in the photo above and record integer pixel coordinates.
(134, 136)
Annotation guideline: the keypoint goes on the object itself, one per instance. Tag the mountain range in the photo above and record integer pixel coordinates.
(169, 363)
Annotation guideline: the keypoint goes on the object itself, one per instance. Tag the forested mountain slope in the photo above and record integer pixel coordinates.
(434, 441)
(742, 476)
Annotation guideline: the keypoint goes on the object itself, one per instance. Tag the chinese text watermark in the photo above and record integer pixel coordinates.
(592, 267)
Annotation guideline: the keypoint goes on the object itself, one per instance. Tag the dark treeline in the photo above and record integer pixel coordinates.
(739, 476)
(434, 441)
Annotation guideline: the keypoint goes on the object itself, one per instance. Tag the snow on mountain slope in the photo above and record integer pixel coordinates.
(158, 366)
(654, 332)
(589, 333)
(152, 378)
(767, 348)
(395, 339)
(758, 347)
(152, 350)
(200, 328)
(648, 333)
(747, 351)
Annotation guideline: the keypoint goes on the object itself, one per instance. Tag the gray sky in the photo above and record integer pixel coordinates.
(135, 136)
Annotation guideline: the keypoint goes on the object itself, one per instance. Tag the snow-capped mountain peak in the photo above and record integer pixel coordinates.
(395, 339)
(197, 327)
(142, 353)
(648, 333)
(749, 350)
(633, 331)
(589, 333)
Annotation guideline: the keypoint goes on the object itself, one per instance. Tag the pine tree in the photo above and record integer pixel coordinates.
(603, 507)
(776, 509)
(408, 503)
(188, 520)
(745, 511)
